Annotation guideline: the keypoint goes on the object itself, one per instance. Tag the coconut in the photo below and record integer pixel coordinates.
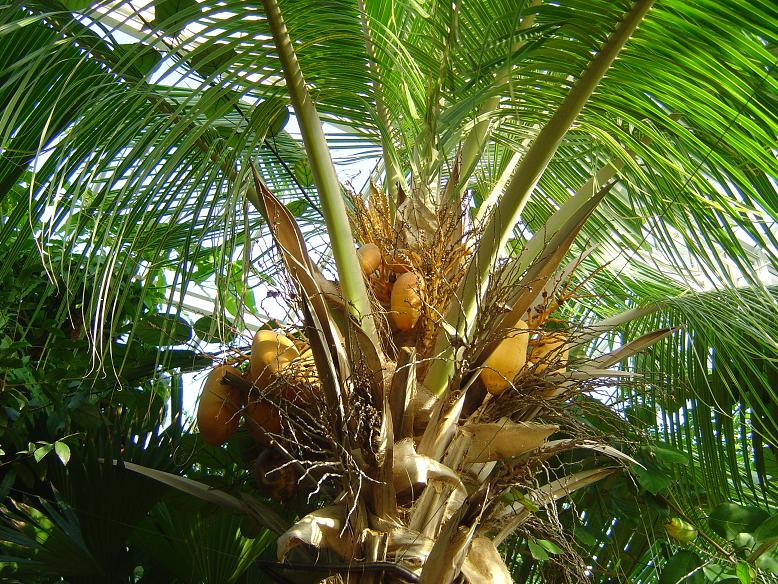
(305, 367)
(405, 301)
(270, 353)
(369, 258)
(507, 359)
(550, 348)
(217, 412)
(302, 379)
(266, 416)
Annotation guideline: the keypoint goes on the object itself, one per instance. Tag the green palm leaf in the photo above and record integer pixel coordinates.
(126, 138)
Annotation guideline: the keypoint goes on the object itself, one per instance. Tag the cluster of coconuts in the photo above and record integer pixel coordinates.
(273, 356)
(404, 301)
(513, 354)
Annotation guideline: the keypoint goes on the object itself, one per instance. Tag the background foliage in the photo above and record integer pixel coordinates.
(123, 143)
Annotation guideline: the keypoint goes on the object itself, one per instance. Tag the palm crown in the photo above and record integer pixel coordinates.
(559, 187)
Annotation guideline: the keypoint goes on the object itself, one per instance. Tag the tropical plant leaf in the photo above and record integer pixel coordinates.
(267, 517)
(684, 567)
(730, 519)
(173, 15)
(163, 329)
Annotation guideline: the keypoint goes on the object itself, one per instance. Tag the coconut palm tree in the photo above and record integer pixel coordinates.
(561, 303)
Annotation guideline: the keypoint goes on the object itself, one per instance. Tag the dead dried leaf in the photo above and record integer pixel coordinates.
(411, 469)
(504, 439)
(321, 529)
(484, 564)
(441, 429)
(445, 563)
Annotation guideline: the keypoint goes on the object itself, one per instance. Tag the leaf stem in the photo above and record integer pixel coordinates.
(463, 310)
(394, 176)
(324, 175)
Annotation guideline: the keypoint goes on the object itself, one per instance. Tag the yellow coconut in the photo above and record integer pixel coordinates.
(507, 359)
(369, 258)
(217, 412)
(302, 381)
(270, 353)
(266, 416)
(305, 367)
(405, 301)
(551, 349)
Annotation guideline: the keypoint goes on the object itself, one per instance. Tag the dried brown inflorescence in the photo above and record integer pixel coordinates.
(436, 255)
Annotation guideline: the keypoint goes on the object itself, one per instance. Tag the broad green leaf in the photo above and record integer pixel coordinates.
(651, 478)
(207, 328)
(769, 561)
(583, 536)
(63, 452)
(231, 304)
(303, 173)
(269, 116)
(684, 567)
(212, 58)
(297, 207)
(250, 301)
(767, 530)
(215, 102)
(77, 5)
(538, 551)
(549, 546)
(185, 359)
(730, 519)
(743, 572)
(669, 456)
(771, 462)
(173, 15)
(744, 543)
(280, 120)
(159, 329)
(40, 452)
(719, 574)
(143, 57)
